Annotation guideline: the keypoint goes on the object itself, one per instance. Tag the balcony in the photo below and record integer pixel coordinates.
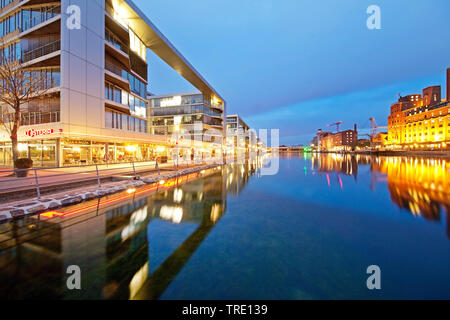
(33, 118)
(47, 49)
(117, 75)
(33, 21)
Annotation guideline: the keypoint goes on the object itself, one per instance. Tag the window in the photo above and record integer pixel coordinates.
(138, 46)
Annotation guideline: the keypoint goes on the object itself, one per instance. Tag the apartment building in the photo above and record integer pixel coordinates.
(237, 135)
(189, 120)
(95, 108)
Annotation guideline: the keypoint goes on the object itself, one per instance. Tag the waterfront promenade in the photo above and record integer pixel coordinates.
(59, 191)
(51, 180)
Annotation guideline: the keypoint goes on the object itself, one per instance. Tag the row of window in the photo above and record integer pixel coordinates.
(4, 3)
(49, 78)
(27, 18)
(41, 79)
(137, 106)
(191, 119)
(10, 53)
(168, 111)
(137, 86)
(169, 121)
(184, 100)
(116, 120)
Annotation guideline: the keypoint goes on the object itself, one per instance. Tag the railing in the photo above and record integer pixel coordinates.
(42, 17)
(22, 180)
(41, 51)
(116, 70)
(32, 118)
(115, 42)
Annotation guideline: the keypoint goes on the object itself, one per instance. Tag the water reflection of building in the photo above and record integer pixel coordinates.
(419, 185)
(109, 243)
(339, 163)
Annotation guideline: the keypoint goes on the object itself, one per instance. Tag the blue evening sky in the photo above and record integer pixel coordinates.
(298, 65)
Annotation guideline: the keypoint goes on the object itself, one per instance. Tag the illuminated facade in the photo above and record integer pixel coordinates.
(420, 121)
(239, 136)
(190, 112)
(340, 141)
(96, 109)
(189, 119)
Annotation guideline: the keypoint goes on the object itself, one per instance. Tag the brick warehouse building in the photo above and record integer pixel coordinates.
(421, 121)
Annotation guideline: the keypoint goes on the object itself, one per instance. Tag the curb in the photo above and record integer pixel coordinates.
(27, 208)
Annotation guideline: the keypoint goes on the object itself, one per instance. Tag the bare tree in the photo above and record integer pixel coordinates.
(18, 86)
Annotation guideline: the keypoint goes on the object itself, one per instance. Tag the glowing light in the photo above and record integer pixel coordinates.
(138, 280)
(177, 195)
(131, 149)
(174, 214)
(161, 182)
(215, 212)
(160, 149)
(131, 190)
(52, 214)
(22, 147)
(170, 102)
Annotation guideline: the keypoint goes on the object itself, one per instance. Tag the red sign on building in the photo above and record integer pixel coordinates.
(40, 132)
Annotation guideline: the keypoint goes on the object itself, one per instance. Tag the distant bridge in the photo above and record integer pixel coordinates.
(290, 149)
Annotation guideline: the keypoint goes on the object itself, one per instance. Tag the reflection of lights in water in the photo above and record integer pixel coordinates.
(137, 218)
(174, 214)
(177, 195)
(230, 179)
(200, 196)
(138, 280)
(215, 212)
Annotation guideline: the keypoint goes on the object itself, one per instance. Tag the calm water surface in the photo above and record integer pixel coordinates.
(309, 232)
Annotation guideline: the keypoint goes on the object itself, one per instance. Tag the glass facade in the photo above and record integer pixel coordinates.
(187, 114)
(121, 121)
(138, 107)
(27, 18)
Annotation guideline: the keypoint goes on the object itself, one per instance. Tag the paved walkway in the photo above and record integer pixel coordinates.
(76, 175)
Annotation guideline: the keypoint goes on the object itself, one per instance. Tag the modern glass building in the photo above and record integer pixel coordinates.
(190, 116)
(240, 136)
(93, 55)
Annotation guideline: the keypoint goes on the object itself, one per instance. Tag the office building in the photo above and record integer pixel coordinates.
(95, 108)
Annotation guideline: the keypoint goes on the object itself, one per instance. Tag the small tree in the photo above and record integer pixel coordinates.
(17, 87)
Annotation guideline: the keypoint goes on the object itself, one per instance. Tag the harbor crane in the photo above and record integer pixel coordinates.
(337, 124)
